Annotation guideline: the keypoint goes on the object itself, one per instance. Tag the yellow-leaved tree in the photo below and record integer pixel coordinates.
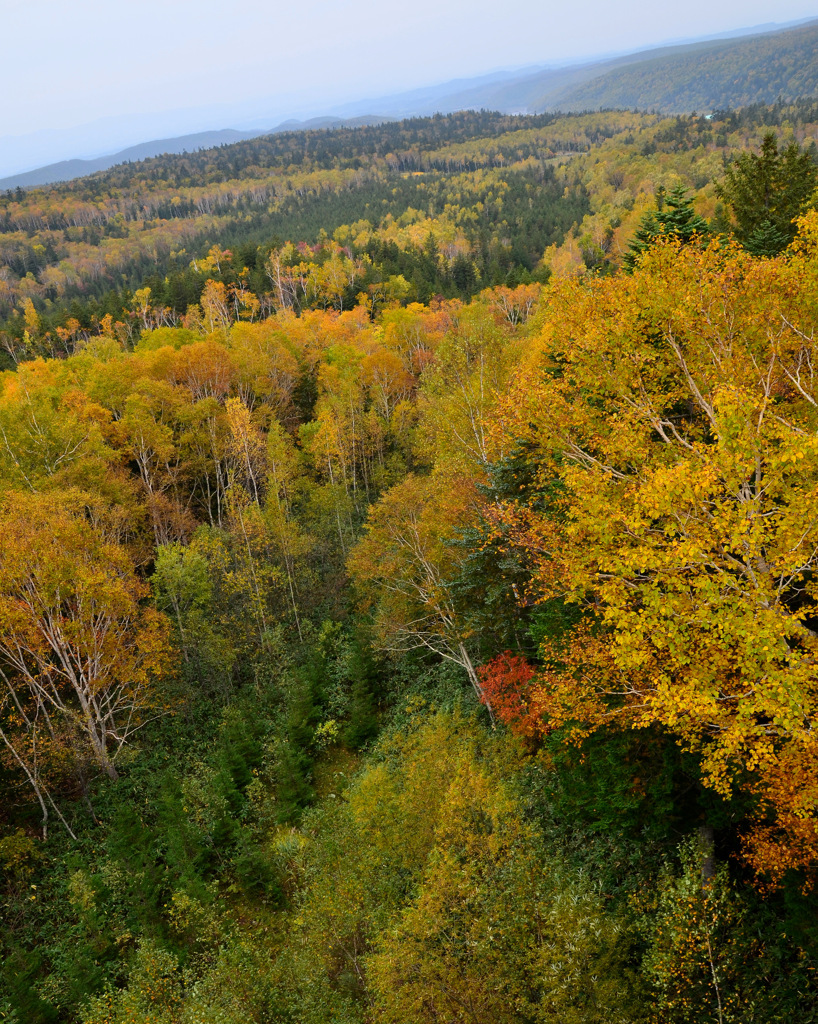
(404, 566)
(678, 409)
(79, 652)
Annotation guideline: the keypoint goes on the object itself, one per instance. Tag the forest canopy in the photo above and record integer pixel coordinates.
(407, 577)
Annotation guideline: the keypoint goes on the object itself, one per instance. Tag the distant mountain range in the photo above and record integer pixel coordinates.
(65, 170)
(708, 76)
(762, 66)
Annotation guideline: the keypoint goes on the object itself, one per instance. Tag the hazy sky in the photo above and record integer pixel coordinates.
(70, 62)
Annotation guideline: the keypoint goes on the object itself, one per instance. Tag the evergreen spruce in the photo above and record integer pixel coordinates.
(363, 720)
(767, 240)
(767, 191)
(673, 217)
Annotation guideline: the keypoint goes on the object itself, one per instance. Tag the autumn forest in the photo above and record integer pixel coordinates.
(408, 560)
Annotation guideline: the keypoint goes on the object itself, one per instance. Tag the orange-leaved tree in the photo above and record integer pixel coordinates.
(678, 409)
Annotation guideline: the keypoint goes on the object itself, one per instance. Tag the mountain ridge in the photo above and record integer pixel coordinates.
(63, 170)
(762, 64)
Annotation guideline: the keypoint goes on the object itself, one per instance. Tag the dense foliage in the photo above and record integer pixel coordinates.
(416, 621)
(439, 206)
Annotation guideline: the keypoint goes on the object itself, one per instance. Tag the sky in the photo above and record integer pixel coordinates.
(132, 70)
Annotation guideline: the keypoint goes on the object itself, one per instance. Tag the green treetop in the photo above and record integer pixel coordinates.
(767, 191)
(674, 215)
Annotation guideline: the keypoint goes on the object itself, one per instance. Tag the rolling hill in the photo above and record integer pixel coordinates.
(67, 170)
(766, 65)
(728, 74)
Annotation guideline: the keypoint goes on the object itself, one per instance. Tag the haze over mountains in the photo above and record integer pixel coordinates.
(759, 65)
(65, 170)
(767, 63)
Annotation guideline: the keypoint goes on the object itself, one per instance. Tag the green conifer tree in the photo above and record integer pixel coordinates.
(767, 191)
(363, 720)
(673, 217)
